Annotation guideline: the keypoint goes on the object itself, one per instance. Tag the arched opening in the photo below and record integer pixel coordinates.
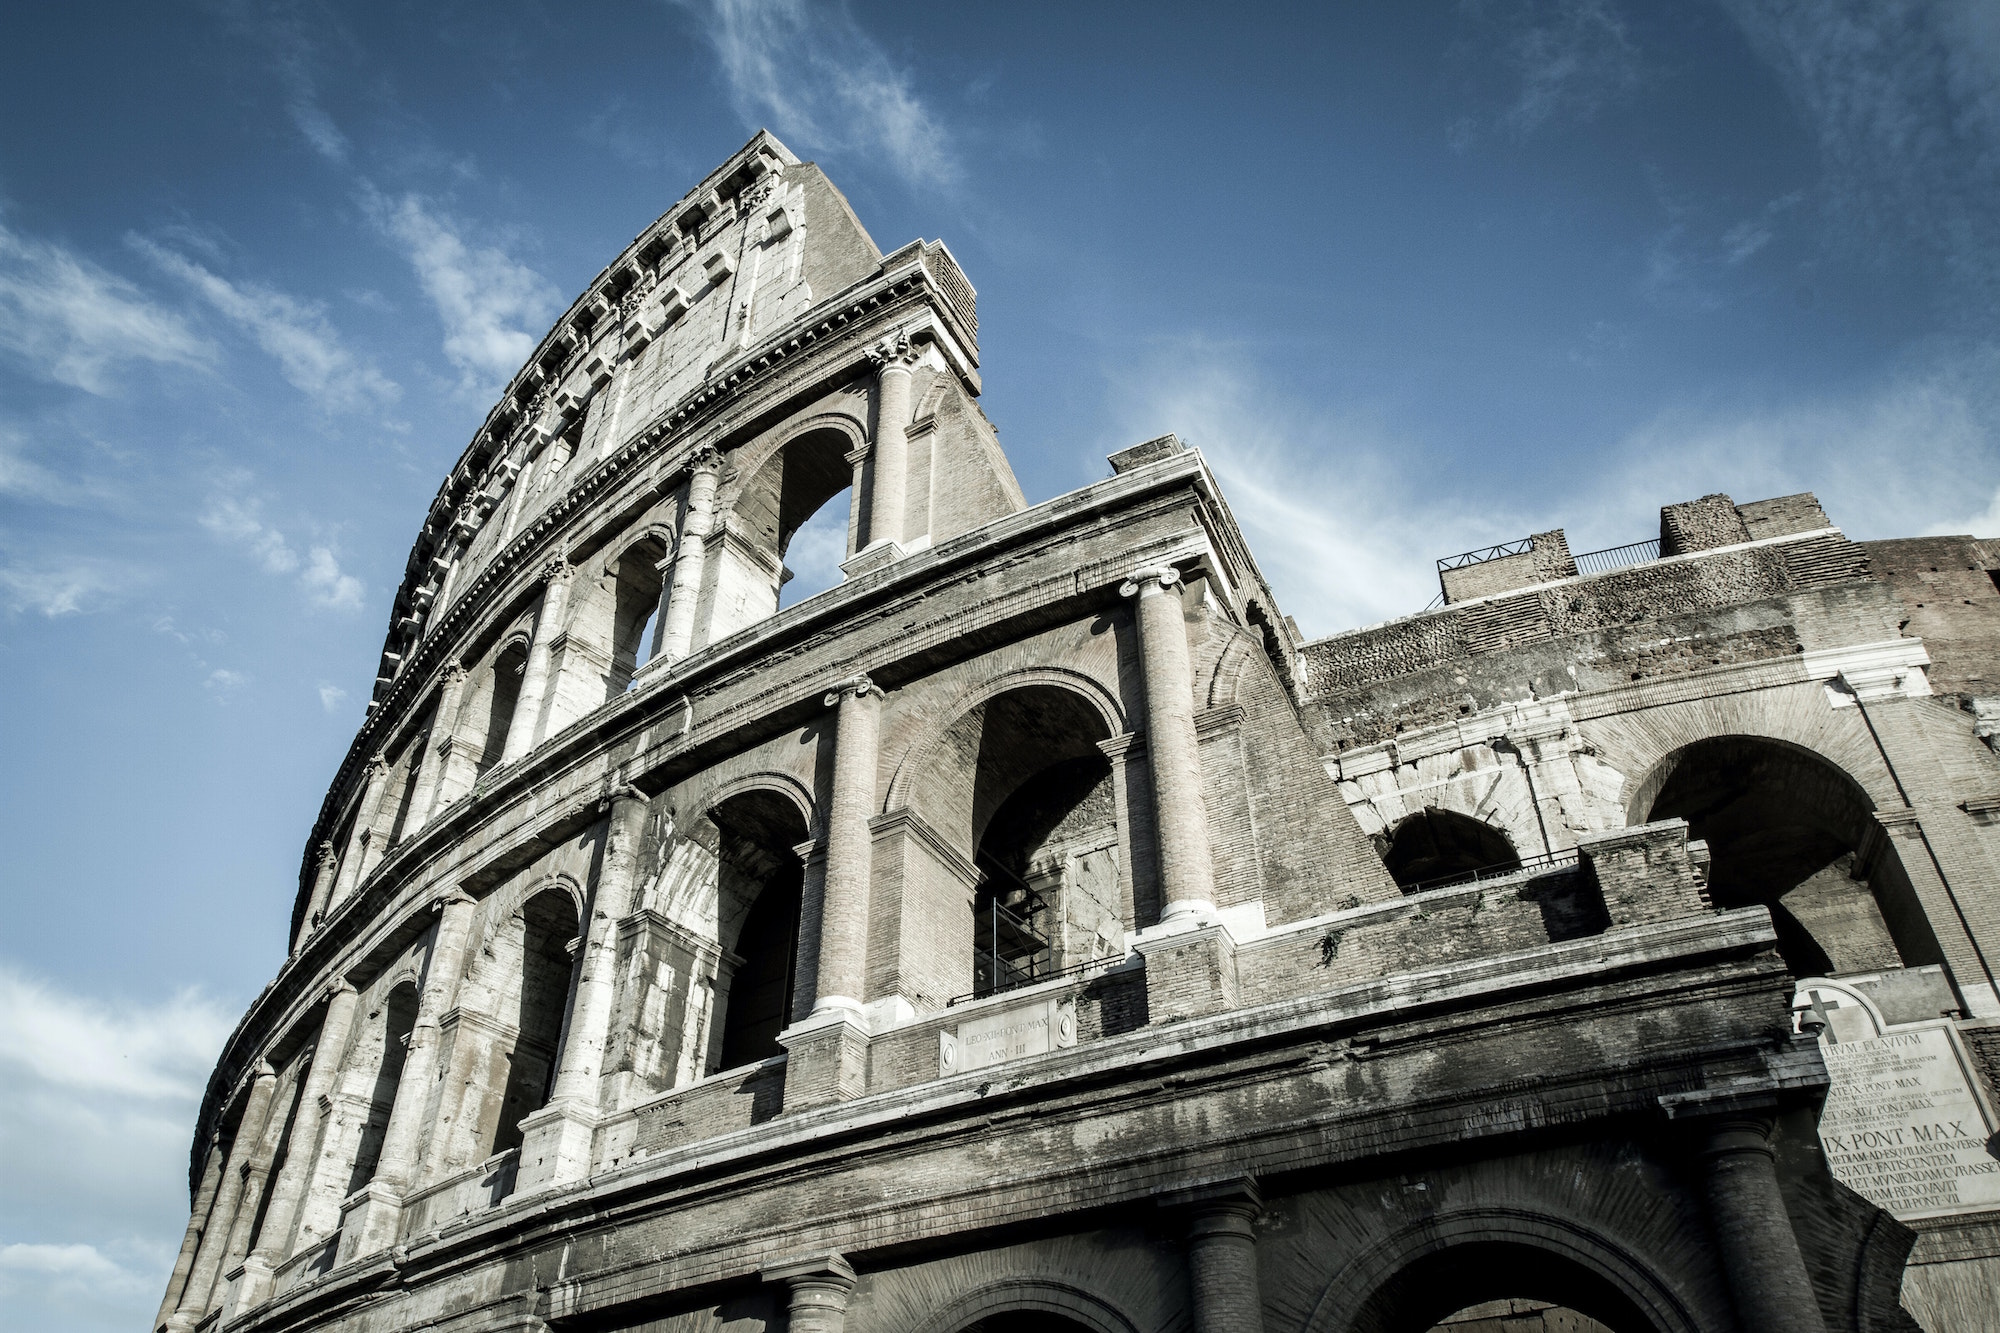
(1499, 1287)
(1784, 829)
(503, 691)
(769, 510)
(812, 552)
(389, 1033)
(1025, 1321)
(1436, 846)
(545, 932)
(760, 883)
(1037, 810)
(635, 616)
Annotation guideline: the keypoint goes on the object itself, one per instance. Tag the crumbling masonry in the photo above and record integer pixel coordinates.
(1032, 931)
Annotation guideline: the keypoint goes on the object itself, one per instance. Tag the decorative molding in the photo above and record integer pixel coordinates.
(859, 686)
(1161, 576)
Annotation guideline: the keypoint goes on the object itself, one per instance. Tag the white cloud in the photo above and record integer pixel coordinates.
(69, 588)
(331, 697)
(814, 72)
(97, 1105)
(487, 301)
(1573, 57)
(71, 321)
(326, 585)
(1333, 521)
(308, 350)
(238, 520)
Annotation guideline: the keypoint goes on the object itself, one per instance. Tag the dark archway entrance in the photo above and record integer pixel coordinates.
(1784, 829)
(1489, 1286)
(1433, 847)
(761, 881)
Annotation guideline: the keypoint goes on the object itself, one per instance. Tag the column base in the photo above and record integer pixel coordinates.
(872, 557)
(370, 1219)
(1189, 972)
(556, 1144)
(826, 1060)
(251, 1288)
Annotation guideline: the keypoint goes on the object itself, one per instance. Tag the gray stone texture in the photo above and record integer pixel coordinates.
(1438, 974)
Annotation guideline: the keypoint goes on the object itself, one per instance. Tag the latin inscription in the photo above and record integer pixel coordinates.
(1902, 1127)
(1010, 1034)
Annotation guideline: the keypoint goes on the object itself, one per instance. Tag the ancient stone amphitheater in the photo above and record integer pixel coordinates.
(1032, 931)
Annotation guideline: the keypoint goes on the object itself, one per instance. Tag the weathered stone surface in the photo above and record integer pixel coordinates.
(1006, 933)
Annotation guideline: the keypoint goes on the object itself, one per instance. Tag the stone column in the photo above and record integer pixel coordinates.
(893, 358)
(535, 679)
(302, 1159)
(842, 975)
(198, 1220)
(556, 1140)
(194, 1302)
(817, 1288)
(1753, 1233)
(375, 1219)
(1180, 813)
(322, 894)
(676, 633)
(1222, 1268)
(437, 746)
(351, 864)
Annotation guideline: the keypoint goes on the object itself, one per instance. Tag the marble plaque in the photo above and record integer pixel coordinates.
(1903, 1126)
(1007, 1034)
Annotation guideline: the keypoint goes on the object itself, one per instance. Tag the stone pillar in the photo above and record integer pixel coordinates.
(351, 864)
(1180, 814)
(556, 1140)
(437, 747)
(322, 894)
(842, 975)
(893, 358)
(535, 679)
(676, 633)
(208, 1265)
(817, 1288)
(302, 1159)
(374, 1220)
(198, 1222)
(1753, 1233)
(1222, 1254)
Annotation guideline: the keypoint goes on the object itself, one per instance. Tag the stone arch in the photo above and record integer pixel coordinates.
(1789, 830)
(786, 785)
(932, 400)
(381, 1044)
(635, 578)
(760, 889)
(1437, 1265)
(917, 757)
(1433, 845)
(1028, 1295)
(1227, 676)
(779, 485)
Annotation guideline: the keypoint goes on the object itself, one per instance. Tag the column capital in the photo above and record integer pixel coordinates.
(378, 764)
(1149, 579)
(895, 352)
(339, 986)
(445, 901)
(453, 671)
(620, 790)
(557, 569)
(859, 686)
(828, 1270)
(327, 853)
(707, 459)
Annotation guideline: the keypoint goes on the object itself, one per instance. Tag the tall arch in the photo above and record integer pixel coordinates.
(1020, 785)
(1434, 1268)
(1788, 830)
(760, 891)
(777, 493)
(535, 947)
(1434, 846)
(1021, 1304)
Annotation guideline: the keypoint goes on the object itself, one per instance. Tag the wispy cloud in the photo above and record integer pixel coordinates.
(487, 300)
(97, 1100)
(309, 351)
(238, 519)
(59, 587)
(331, 697)
(1567, 60)
(816, 74)
(69, 320)
(1904, 99)
(1343, 537)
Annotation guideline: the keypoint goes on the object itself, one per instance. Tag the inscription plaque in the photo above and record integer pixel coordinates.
(1903, 1125)
(1007, 1034)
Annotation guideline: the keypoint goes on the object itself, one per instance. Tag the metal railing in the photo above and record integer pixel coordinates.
(1485, 553)
(1526, 864)
(1617, 557)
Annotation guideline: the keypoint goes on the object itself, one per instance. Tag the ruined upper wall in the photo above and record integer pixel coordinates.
(1949, 590)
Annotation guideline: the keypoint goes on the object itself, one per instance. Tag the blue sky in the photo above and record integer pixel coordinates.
(1416, 277)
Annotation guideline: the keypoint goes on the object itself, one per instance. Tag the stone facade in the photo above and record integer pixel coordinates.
(1032, 931)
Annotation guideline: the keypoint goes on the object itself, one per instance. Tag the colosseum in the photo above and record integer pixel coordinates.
(1034, 930)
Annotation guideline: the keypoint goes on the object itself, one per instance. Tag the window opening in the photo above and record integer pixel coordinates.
(398, 1017)
(503, 692)
(548, 927)
(760, 887)
(813, 552)
(1011, 945)
(1435, 847)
